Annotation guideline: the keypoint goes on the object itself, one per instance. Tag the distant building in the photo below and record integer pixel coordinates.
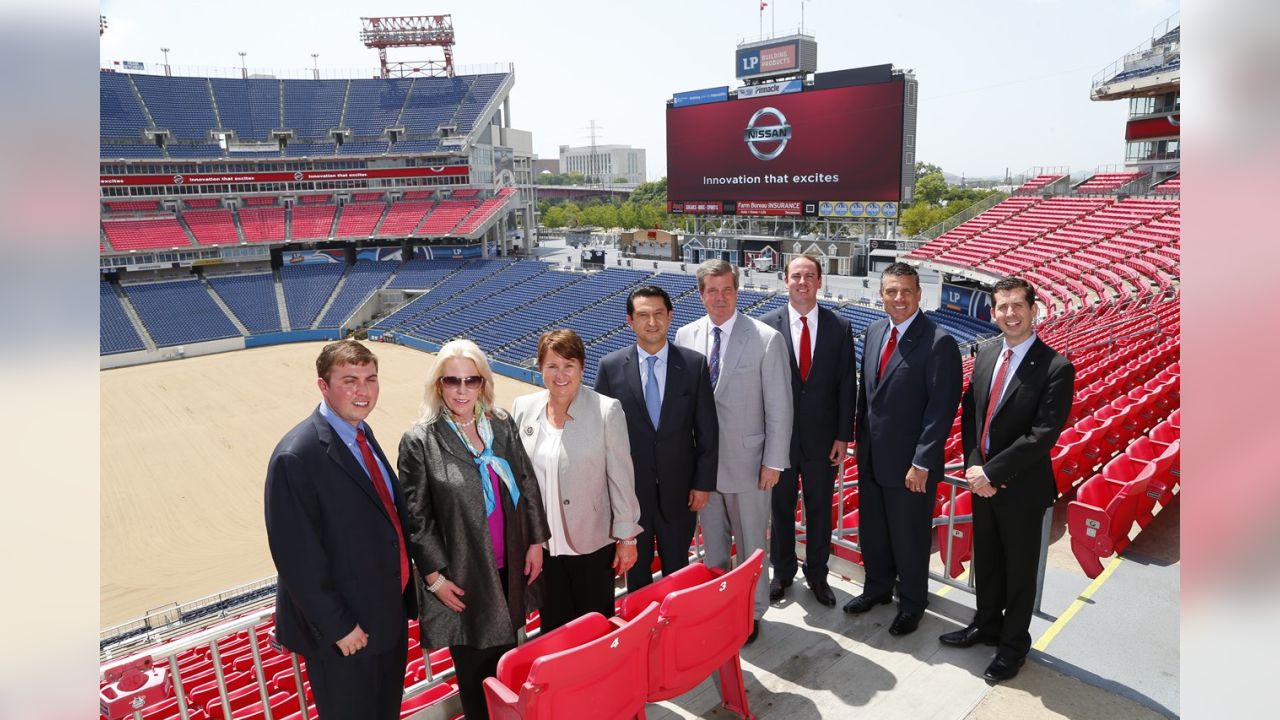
(604, 163)
(546, 166)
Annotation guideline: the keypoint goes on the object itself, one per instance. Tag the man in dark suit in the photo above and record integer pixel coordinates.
(1012, 413)
(911, 380)
(824, 391)
(666, 395)
(335, 515)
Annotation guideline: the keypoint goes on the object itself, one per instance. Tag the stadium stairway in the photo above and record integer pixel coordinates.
(134, 318)
(280, 302)
(217, 300)
(337, 290)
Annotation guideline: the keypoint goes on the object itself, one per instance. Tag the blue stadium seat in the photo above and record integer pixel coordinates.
(116, 331)
(179, 312)
(252, 298)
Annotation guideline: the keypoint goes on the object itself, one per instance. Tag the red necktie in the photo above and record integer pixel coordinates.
(388, 504)
(806, 354)
(997, 389)
(888, 350)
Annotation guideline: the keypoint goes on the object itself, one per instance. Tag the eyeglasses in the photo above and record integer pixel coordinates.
(452, 381)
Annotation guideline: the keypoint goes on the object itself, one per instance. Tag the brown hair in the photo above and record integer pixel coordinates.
(817, 265)
(1013, 283)
(563, 342)
(343, 352)
(715, 268)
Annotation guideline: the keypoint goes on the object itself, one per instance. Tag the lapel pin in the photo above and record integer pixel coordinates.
(528, 430)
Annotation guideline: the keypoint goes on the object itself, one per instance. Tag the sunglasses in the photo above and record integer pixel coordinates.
(452, 381)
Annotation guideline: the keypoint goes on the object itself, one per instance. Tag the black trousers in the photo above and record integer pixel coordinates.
(472, 665)
(895, 532)
(359, 686)
(576, 585)
(818, 482)
(1006, 554)
(672, 536)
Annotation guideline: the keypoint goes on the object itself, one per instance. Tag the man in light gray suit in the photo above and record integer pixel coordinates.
(751, 377)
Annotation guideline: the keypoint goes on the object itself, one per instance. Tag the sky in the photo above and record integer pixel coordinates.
(1004, 85)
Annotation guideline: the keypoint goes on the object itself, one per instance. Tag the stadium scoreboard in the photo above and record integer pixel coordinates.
(841, 146)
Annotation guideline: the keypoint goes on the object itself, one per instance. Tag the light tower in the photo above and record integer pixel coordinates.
(410, 31)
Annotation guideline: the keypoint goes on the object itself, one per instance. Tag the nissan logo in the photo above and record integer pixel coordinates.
(762, 134)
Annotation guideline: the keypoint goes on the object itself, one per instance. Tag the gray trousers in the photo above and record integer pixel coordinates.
(744, 516)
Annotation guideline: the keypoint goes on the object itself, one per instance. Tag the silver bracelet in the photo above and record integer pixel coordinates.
(628, 541)
(439, 583)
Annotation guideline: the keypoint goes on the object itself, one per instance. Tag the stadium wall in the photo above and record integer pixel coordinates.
(142, 357)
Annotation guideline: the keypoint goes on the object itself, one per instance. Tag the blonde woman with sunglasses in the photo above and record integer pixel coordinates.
(476, 519)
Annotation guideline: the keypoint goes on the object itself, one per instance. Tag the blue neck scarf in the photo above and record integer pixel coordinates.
(486, 462)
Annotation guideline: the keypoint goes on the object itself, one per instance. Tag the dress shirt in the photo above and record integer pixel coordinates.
(1019, 352)
(902, 331)
(546, 465)
(347, 434)
(659, 368)
(797, 328)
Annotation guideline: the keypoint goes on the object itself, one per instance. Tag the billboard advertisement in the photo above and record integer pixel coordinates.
(296, 176)
(970, 301)
(838, 143)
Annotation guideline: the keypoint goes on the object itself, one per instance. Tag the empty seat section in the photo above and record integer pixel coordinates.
(116, 332)
(155, 233)
(307, 287)
(358, 219)
(252, 298)
(445, 216)
(262, 224)
(311, 222)
(212, 227)
(179, 312)
(365, 277)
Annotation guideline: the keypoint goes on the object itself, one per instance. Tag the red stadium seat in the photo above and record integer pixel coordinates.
(590, 668)
(706, 616)
(1074, 457)
(1164, 457)
(427, 698)
(1100, 517)
(961, 534)
(132, 685)
(849, 527)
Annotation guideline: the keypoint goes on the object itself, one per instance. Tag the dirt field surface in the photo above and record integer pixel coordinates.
(185, 446)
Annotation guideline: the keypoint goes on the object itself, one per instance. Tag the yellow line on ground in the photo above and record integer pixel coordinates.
(1079, 602)
(948, 588)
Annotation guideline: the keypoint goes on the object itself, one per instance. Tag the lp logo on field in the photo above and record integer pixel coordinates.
(759, 134)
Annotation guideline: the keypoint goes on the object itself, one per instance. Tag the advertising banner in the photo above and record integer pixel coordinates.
(771, 207)
(1156, 127)
(857, 209)
(701, 97)
(303, 257)
(843, 142)
(779, 88)
(779, 57)
(973, 302)
(275, 177)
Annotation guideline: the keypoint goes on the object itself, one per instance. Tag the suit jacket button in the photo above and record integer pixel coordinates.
(566, 502)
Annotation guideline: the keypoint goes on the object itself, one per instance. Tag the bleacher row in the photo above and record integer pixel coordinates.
(1077, 250)
(193, 109)
(142, 225)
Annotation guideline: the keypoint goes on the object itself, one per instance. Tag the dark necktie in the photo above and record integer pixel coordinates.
(997, 389)
(380, 485)
(713, 362)
(806, 354)
(888, 352)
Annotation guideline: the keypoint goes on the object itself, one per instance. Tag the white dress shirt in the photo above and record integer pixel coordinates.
(797, 328)
(659, 367)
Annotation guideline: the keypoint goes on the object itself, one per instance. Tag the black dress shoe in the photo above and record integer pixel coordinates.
(755, 632)
(822, 591)
(1002, 669)
(778, 588)
(905, 623)
(966, 637)
(862, 603)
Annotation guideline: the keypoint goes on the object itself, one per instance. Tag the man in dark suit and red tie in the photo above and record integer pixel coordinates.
(1013, 411)
(666, 394)
(335, 517)
(824, 391)
(911, 380)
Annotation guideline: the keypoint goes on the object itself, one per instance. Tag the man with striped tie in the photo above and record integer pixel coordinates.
(751, 377)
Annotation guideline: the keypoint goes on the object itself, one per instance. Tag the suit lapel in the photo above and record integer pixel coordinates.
(631, 381)
(450, 441)
(783, 325)
(983, 367)
(871, 354)
(1026, 367)
(906, 344)
(676, 372)
(733, 348)
(341, 456)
